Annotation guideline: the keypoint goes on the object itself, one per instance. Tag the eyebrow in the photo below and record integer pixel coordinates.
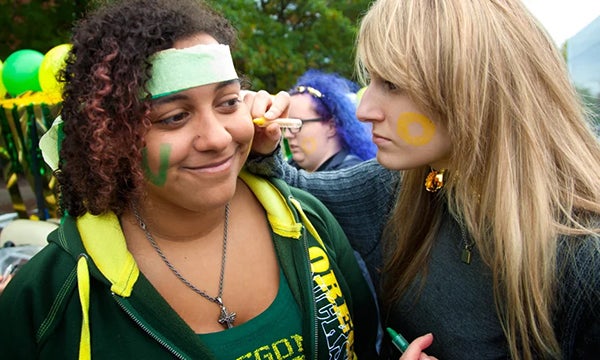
(179, 96)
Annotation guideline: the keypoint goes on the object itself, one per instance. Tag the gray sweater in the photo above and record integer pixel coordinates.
(456, 303)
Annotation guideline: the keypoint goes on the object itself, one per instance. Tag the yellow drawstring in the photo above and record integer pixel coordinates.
(279, 214)
(307, 222)
(83, 285)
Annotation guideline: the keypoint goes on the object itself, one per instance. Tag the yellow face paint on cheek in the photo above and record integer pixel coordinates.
(416, 129)
(308, 145)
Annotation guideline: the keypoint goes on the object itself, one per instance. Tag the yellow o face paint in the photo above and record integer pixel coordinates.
(414, 128)
(308, 145)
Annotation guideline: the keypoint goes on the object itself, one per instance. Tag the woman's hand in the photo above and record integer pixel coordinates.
(262, 103)
(415, 349)
(4, 281)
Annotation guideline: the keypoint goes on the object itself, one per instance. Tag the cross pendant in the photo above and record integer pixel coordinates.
(226, 318)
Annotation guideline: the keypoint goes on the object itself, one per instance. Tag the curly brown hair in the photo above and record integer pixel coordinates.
(105, 106)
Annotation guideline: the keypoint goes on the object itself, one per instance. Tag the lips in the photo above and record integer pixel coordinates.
(378, 139)
(294, 148)
(214, 167)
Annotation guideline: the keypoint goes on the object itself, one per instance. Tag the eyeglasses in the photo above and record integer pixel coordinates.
(297, 130)
(307, 89)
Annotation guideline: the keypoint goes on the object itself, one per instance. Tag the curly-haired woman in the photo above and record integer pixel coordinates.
(490, 190)
(168, 249)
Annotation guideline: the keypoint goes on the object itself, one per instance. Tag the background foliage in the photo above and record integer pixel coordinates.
(36, 24)
(278, 39)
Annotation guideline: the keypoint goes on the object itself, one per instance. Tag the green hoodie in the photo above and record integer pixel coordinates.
(84, 296)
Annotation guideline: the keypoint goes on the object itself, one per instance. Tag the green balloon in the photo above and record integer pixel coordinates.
(20, 71)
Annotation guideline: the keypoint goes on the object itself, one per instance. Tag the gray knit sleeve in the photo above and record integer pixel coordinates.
(360, 197)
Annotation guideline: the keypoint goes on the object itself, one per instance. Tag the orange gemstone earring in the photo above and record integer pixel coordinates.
(435, 180)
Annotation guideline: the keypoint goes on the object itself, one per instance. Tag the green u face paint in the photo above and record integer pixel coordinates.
(160, 178)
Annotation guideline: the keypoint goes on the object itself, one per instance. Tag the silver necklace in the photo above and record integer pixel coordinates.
(226, 318)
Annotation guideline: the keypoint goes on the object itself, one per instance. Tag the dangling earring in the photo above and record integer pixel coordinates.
(435, 180)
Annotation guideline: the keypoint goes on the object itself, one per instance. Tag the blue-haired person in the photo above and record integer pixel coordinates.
(331, 137)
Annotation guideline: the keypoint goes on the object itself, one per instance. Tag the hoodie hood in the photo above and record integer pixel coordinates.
(103, 247)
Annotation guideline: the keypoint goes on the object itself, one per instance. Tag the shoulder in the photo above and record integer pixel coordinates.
(318, 214)
(578, 263)
(48, 275)
(41, 287)
(349, 160)
(578, 275)
(579, 258)
(340, 160)
(368, 172)
(577, 320)
(47, 269)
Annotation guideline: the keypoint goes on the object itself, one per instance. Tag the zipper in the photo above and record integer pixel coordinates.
(312, 293)
(146, 329)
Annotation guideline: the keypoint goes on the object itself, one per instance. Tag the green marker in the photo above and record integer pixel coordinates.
(398, 340)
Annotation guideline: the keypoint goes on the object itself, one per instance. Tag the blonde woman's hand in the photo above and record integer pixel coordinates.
(415, 349)
(4, 281)
(271, 107)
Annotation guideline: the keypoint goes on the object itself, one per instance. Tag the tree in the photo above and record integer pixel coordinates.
(37, 25)
(279, 39)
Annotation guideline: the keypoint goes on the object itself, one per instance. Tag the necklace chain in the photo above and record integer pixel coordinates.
(434, 181)
(226, 318)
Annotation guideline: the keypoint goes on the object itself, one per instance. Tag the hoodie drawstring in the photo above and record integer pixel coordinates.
(307, 222)
(83, 285)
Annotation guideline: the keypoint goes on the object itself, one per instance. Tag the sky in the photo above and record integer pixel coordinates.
(564, 18)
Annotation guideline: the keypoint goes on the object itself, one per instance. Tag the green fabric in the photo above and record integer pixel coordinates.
(50, 143)
(41, 317)
(274, 334)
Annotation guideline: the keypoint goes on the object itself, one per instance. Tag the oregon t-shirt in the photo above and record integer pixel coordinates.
(276, 333)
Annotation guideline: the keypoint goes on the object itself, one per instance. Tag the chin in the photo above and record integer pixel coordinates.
(386, 161)
(298, 160)
(393, 161)
(214, 199)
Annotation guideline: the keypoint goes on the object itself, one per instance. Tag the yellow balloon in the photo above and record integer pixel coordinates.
(52, 63)
(2, 87)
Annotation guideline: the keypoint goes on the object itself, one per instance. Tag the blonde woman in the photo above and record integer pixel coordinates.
(493, 220)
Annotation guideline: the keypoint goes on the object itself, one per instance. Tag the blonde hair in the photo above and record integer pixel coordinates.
(524, 159)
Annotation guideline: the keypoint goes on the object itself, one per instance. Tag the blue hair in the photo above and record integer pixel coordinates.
(336, 103)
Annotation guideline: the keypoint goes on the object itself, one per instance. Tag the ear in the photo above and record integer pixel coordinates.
(331, 128)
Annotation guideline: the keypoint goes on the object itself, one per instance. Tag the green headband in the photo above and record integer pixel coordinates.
(175, 70)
